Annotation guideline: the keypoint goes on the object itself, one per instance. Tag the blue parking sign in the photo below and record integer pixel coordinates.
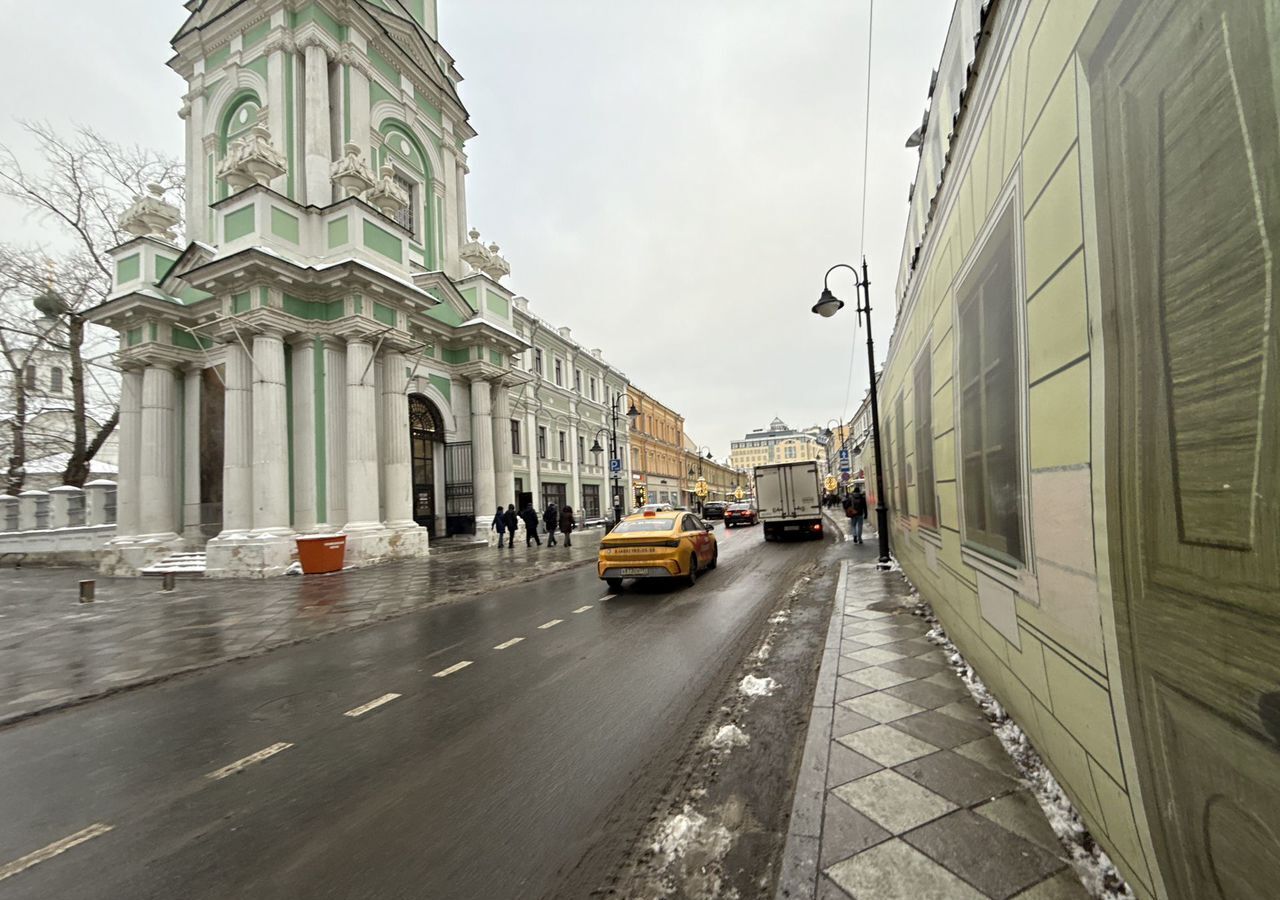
(615, 465)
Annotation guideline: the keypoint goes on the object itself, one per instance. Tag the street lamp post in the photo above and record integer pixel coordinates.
(615, 468)
(827, 306)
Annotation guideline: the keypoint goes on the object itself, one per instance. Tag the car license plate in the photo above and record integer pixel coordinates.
(791, 528)
(635, 572)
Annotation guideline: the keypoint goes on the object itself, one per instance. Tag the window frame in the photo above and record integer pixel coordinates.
(922, 408)
(537, 361)
(542, 442)
(515, 437)
(558, 367)
(562, 444)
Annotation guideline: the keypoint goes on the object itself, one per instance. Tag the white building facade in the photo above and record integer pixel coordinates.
(331, 350)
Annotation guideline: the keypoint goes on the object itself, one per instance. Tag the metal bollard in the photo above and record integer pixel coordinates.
(86, 591)
(167, 585)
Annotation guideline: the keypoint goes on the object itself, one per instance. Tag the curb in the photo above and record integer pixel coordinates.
(798, 874)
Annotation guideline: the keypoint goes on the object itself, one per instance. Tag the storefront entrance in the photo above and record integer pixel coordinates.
(426, 429)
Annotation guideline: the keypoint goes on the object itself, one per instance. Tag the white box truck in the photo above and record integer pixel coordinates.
(789, 500)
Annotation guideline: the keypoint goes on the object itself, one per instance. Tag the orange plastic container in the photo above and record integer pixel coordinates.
(322, 553)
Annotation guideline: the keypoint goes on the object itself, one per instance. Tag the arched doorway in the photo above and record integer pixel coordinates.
(426, 429)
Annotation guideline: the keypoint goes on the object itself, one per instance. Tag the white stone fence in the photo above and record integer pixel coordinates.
(64, 524)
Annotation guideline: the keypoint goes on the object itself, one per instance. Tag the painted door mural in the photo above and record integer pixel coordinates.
(1187, 180)
(426, 429)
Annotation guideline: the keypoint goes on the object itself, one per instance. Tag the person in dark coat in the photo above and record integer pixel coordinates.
(530, 525)
(512, 521)
(857, 512)
(551, 518)
(567, 523)
(499, 524)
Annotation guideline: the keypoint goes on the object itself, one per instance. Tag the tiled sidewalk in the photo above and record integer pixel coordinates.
(904, 791)
(54, 651)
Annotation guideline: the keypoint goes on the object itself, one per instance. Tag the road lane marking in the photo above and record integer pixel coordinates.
(582, 609)
(233, 768)
(453, 668)
(553, 623)
(372, 704)
(49, 852)
(607, 597)
(511, 643)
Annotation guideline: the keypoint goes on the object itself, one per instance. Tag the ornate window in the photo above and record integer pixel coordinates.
(55, 380)
(424, 419)
(407, 218)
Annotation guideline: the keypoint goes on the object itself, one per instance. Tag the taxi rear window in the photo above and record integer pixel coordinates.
(639, 525)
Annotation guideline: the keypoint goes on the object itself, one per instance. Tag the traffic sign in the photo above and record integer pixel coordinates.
(615, 465)
(844, 466)
(844, 454)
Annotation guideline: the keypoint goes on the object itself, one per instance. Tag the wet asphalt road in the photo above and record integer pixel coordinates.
(489, 782)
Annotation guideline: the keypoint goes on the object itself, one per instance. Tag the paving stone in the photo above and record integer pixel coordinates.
(827, 890)
(946, 679)
(869, 614)
(991, 753)
(960, 780)
(856, 624)
(1020, 813)
(845, 765)
(879, 678)
(848, 664)
(873, 639)
(847, 686)
(887, 746)
(892, 801)
(931, 696)
(881, 707)
(875, 655)
(846, 721)
(799, 867)
(964, 709)
(847, 646)
(897, 871)
(915, 646)
(915, 667)
(996, 861)
(845, 831)
(1063, 886)
(944, 731)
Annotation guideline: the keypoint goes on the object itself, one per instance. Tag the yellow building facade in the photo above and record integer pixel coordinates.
(658, 469)
(1080, 412)
(775, 444)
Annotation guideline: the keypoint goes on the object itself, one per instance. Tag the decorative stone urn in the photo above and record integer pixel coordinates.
(474, 253)
(150, 215)
(496, 267)
(350, 174)
(387, 196)
(251, 160)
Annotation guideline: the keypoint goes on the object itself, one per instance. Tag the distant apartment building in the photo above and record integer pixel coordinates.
(777, 443)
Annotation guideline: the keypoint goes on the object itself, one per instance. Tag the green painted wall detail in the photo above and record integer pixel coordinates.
(312, 309)
(469, 294)
(128, 269)
(212, 87)
(446, 314)
(339, 232)
(133, 336)
(382, 65)
(315, 14)
(384, 314)
(443, 385)
(240, 302)
(379, 240)
(180, 337)
(322, 450)
(425, 105)
(284, 225)
(454, 357)
(237, 224)
(257, 34)
(496, 358)
(259, 66)
(264, 296)
(153, 331)
(218, 58)
(497, 304)
(163, 265)
(377, 93)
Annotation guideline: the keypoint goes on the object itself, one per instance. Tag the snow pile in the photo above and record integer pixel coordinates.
(762, 653)
(728, 737)
(757, 687)
(1090, 861)
(697, 847)
(779, 617)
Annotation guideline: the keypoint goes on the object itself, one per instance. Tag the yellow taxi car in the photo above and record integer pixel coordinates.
(657, 544)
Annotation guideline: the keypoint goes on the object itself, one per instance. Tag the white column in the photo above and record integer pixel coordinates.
(575, 464)
(335, 427)
(303, 364)
(450, 178)
(128, 522)
(397, 476)
(359, 93)
(531, 449)
(237, 441)
(362, 439)
(270, 452)
(196, 188)
(277, 107)
(319, 153)
(156, 477)
(191, 384)
(503, 467)
(482, 471)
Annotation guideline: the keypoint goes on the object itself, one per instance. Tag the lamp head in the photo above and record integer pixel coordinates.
(595, 446)
(828, 304)
(633, 413)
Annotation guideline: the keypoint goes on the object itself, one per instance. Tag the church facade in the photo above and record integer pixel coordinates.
(331, 349)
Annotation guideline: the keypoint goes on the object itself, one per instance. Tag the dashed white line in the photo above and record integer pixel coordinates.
(453, 668)
(39, 856)
(607, 597)
(582, 609)
(265, 753)
(511, 643)
(372, 704)
(553, 623)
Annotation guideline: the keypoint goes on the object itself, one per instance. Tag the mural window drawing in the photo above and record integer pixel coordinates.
(923, 424)
(991, 481)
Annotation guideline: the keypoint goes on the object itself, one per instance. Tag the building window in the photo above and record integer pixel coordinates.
(900, 448)
(55, 380)
(791, 452)
(577, 381)
(591, 501)
(926, 498)
(582, 449)
(542, 442)
(563, 455)
(31, 378)
(559, 374)
(406, 218)
(537, 360)
(553, 493)
(990, 458)
(515, 436)
(591, 383)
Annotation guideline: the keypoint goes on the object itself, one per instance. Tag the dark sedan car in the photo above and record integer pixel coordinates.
(740, 514)
(714, 509)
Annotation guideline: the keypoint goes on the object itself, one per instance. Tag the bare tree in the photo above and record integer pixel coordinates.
(84, 184)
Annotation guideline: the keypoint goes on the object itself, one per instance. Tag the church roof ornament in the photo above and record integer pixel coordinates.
(251, 160)
(350, 174)
(473, 252)
(387, 196)
(497, 267)
(151, 216)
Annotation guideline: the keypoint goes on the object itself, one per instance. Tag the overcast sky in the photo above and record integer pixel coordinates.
(670, 179)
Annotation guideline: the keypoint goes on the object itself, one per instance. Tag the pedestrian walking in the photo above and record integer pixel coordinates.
(530, 524)
(499, 524)
(857, 512)
(512, 521)
(567, 523)
(551, 518)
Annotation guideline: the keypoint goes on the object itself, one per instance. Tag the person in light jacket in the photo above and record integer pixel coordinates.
(567, 523)
(551, 518)
(499, 524)
(512, 521)
(530, 525)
